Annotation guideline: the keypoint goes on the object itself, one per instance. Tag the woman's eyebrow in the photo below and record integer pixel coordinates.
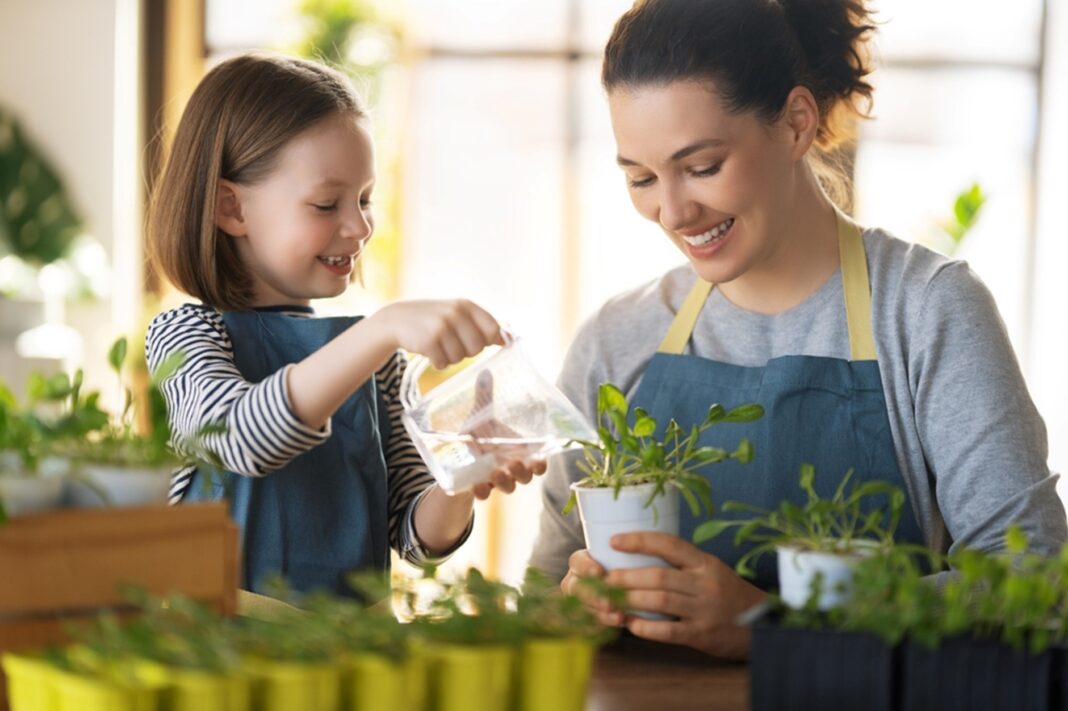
(682, 152)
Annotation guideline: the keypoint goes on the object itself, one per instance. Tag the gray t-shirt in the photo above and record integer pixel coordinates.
(970, 444)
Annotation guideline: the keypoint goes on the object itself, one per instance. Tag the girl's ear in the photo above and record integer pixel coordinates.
(802, 118)
(228, 215)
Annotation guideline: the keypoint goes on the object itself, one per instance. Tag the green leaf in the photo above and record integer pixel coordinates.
(715, 413)
(691, 500)
(705, 455)
(1015, 540)
(645, 426)
(170, 365)
(571, 502)
(611, 399)
(744, 451)
(745, 413)
(711, 529)
(117, 354)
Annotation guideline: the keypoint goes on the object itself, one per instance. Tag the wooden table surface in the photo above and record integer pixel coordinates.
(634, 675)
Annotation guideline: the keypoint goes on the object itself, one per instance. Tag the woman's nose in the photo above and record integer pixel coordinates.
(677, 209)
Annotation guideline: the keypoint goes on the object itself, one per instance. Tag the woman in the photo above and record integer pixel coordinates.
(866, 352)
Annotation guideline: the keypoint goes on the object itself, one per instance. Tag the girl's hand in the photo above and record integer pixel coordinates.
(506, 478)
(446, 332)
(705, 594)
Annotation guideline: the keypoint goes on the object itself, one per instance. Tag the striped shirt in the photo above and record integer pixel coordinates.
(262, 433)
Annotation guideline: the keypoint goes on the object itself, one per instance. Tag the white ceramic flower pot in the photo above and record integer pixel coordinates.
(23, 493)
(603, 516)
(798, 569)
(98, 485)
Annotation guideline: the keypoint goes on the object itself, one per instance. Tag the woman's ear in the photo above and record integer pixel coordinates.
(228, 215)
(802, 118)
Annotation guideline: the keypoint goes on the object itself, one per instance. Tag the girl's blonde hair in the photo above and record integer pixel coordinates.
(238, 120)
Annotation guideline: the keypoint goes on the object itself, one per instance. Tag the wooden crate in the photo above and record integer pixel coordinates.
(65, 566)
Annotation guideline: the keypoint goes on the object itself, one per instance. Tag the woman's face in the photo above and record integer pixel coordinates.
(717, 183)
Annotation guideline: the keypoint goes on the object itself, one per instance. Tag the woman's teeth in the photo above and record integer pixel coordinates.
(336, 261)
(713, 234)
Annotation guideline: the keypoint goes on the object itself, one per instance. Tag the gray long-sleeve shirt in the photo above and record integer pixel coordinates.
(970, 443)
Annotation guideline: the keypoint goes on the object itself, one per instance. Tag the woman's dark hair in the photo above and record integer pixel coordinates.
(755, 52)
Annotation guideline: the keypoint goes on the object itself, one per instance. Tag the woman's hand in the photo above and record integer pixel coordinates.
(705, 594)
(446, 332)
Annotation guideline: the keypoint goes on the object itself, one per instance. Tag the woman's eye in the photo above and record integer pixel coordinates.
(365, 203)
(710, 170)
(640, 182)
(325, 208)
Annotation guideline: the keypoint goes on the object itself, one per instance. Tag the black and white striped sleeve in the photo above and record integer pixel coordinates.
(409, 479)
(261, 432)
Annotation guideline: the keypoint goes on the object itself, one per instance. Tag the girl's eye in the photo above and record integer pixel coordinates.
(640, 182)
(325, 208)
(706, 172)
(365, 203)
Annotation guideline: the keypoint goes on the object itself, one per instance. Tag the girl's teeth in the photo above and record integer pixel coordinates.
(335, 261)
(713, 234)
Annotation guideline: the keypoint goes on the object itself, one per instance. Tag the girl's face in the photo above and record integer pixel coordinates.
(305, 225)
(716, 183)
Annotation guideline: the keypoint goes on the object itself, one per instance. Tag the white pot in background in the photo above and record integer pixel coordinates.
(798, 568)
(26, 493)
(97, 485)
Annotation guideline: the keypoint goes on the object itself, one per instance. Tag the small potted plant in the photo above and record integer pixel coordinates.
(560, 637)
(1000, 611)
(634, 479)
(852, 652)
(471, 639)
(383, 665)
(818, 542)
(33, 468)
(123, 462)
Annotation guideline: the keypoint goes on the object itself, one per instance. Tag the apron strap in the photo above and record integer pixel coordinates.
(855, 287)
(681, 328)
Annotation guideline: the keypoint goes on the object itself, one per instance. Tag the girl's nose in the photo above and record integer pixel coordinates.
(358, 225)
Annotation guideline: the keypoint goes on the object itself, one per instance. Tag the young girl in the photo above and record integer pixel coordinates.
(866, 352)
(265, 204)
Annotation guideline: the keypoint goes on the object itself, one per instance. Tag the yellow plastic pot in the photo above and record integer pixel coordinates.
(29, 683)
(470, 678)
(187, 690)
(553, 674)
(287, 686)
(78, 692)
(370, 682)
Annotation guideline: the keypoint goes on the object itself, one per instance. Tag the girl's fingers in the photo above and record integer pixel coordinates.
(502, 480)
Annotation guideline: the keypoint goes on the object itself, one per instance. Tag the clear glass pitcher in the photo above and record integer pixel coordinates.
(496, 410)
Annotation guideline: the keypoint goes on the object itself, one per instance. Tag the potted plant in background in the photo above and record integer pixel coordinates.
(126, 462)
(561, 636)
(33, 439)
(634, 479)
(471, 638)
(991, 643)
(852, 651)
(819, 542)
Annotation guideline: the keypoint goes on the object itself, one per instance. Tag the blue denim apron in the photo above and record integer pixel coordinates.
(823, 411)
(325, 512)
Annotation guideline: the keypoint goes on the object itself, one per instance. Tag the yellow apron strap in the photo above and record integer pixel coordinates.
(856, 288)
(678, 334)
